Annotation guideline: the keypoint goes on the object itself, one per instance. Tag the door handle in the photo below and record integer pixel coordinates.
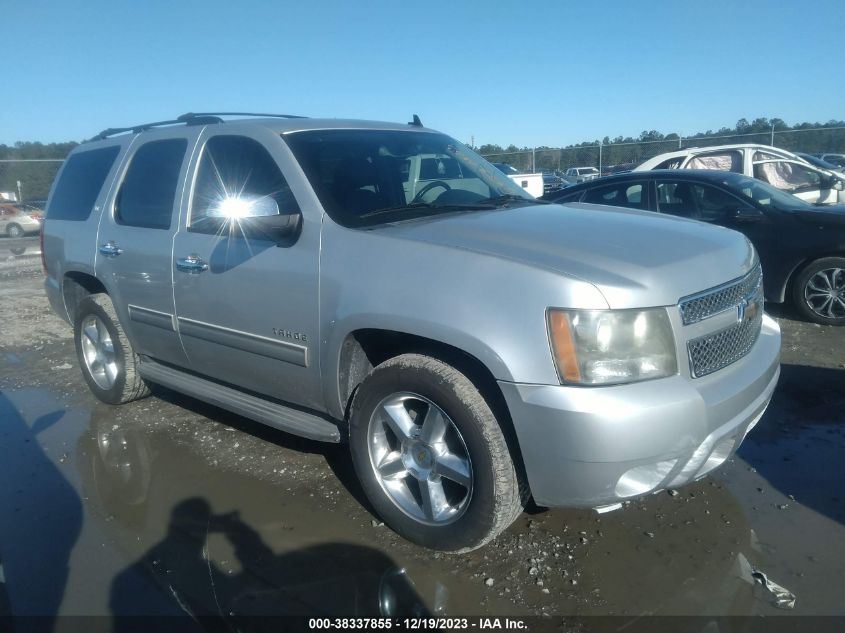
(110, 249)
(191, 264)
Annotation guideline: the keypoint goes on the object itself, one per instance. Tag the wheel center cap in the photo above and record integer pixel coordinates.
(418, 459)
(421, 455)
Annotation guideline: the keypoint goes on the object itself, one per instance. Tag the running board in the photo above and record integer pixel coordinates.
(270, 413)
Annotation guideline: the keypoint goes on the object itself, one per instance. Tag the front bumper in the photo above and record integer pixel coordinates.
(596, 446)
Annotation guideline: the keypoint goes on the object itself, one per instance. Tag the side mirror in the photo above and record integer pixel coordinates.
(276, 228)
(747, 214)
(257, 218)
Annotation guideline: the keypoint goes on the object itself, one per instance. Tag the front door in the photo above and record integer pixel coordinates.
(804, 181)
(247, 307)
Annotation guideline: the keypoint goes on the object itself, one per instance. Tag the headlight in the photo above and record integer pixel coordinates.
(606, 347)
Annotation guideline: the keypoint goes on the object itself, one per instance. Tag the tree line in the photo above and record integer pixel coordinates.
(802, 137)
(35, 177)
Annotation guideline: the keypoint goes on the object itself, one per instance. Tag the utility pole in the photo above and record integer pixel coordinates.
(600, 144)
(773, 135)
(533, 161)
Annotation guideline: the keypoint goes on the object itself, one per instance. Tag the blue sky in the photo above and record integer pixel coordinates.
(546, 73)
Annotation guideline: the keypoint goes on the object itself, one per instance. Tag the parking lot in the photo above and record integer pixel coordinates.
(168, 505)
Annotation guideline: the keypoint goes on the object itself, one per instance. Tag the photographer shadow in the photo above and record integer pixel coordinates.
(327, 580)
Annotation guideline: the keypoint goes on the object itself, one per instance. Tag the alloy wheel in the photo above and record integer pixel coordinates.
(98, 352)
(825, 293)
(420, 459)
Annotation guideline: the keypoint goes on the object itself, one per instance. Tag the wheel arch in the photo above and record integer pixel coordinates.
(364, 349)
(801, 266)
(76, 286)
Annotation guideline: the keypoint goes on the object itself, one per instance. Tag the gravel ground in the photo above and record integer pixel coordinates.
(169, 505)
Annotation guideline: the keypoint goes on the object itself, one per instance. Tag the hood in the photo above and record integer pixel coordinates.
(635, 258)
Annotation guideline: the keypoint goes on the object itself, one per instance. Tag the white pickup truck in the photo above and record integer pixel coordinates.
(532, 183)
(574, 175)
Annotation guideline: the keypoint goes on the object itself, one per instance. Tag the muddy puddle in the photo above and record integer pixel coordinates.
(168, 506)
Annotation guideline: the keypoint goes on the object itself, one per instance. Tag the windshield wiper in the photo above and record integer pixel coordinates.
(507, 198)
(403, 207)
(472, 206)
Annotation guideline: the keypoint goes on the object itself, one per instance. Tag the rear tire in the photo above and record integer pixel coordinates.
(430, 455)
(109, 364)
(819, 291)
(14, 230)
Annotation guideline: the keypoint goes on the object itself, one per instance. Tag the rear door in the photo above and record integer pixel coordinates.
(135, 241)
(247, 308)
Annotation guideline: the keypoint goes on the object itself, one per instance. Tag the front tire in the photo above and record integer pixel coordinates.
(14, 230)
(430, 455)
(819, 291)
(109, 364)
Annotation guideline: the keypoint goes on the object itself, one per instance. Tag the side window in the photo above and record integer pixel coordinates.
(626, 194)
(572, 197)
(713, 204)
(235, 174)
(148, 191)
(788, 175)
(80, 183)
(671, 163)
(696, 201)
(725, 161)
(676, 198)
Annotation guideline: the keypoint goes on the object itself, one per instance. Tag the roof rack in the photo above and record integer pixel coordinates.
(189, 118)
(190, 115)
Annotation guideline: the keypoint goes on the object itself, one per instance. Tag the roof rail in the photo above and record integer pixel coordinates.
(184, 119)
(190, 115)
(189, 118)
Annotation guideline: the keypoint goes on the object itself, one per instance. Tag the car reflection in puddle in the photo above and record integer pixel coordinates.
(169, 528)
(242, 561)
(264, 549)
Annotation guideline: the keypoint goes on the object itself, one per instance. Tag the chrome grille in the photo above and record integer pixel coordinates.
(717, 350)
(703, 305)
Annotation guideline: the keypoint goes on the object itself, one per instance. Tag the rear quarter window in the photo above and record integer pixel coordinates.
(80, 183)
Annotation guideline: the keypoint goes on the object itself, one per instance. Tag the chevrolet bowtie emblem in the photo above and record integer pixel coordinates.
(747, 310)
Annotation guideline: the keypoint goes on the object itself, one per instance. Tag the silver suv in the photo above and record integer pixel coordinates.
(382, 284)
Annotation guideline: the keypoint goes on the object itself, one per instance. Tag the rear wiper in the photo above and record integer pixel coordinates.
(511, 197)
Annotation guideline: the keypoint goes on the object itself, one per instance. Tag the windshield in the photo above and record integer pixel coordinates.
(765, 194)
(370, 177)
(818, 162)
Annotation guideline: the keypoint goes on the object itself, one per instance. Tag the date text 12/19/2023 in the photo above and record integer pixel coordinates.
(416, 624)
